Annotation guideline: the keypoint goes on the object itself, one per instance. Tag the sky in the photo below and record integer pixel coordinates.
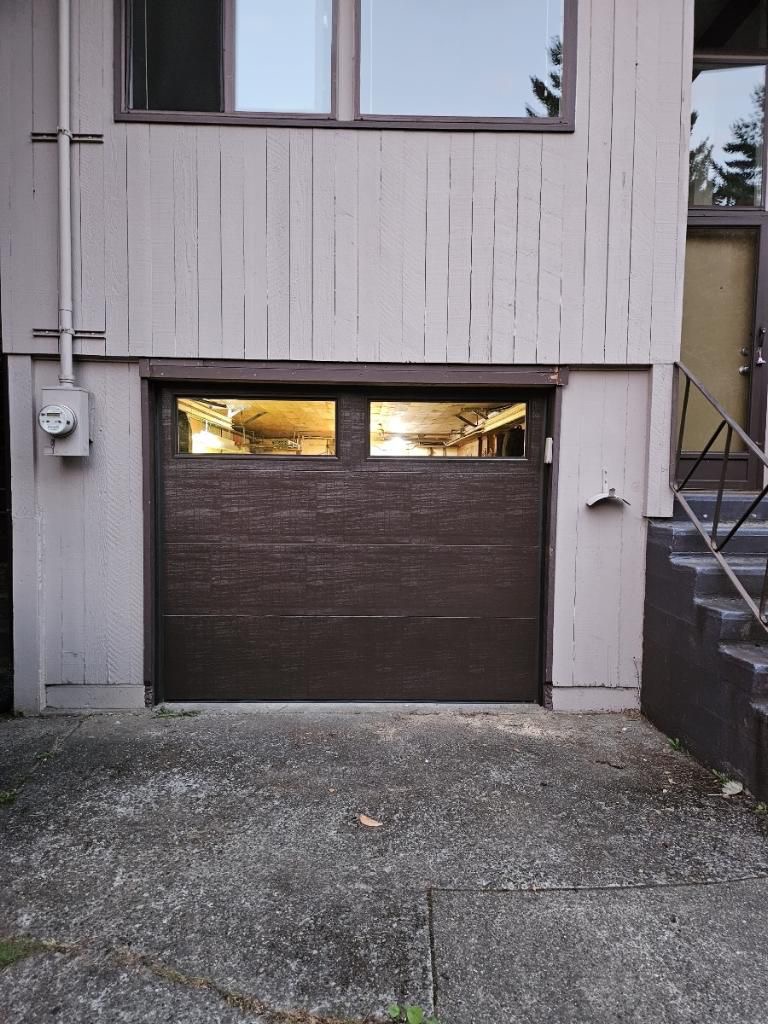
(283, 55)
(412, 53)
(445, 57)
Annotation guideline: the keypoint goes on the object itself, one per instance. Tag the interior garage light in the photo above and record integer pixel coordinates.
(203, 441)
(397, 445)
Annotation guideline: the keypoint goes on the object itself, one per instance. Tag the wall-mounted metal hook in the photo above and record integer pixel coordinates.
(607, 495)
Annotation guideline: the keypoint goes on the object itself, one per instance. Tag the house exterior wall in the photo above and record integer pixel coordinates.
(78, 529)
(600, 552)
(357, 244)
(346, 245)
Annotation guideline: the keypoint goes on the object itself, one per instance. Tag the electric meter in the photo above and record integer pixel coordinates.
(57, 420)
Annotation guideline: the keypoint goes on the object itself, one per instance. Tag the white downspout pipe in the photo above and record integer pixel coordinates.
(63, 144)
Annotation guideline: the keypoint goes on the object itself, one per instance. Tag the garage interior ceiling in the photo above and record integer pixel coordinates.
(441, 421)
(266, 417)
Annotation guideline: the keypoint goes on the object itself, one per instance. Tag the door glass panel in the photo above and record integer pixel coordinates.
(256, 426)
(448, 429)
(283, 56)
(429, 58)
(727, 118)
(718, 321)
(740, 25)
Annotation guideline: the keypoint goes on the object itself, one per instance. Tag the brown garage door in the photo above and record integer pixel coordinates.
(335, 545)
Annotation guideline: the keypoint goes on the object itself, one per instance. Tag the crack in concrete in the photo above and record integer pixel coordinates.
(623, 887)
(125, 958)
(42, 757)
(432, 951)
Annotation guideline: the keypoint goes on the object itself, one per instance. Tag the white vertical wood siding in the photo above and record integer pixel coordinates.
(600, 551)
(78, 546)
(347, 244)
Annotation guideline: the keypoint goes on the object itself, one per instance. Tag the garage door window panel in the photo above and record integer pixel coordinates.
(461, 429)
(257, 427)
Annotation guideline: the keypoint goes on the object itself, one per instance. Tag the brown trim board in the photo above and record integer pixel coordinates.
(424, 375)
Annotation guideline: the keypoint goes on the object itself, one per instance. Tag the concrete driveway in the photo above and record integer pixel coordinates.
(530, 867)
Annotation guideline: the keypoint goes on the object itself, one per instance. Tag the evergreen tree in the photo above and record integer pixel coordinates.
(700, 181)
(548, 95)
(740, 176)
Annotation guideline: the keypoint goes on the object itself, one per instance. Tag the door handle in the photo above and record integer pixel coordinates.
(759, 361)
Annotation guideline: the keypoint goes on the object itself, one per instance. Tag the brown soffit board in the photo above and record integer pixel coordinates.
(373, 374)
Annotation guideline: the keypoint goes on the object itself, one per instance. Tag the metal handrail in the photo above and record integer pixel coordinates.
(713, 542)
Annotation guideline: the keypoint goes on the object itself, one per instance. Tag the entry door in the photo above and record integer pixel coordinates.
(727, 261)
(336, 545)
(724, 344)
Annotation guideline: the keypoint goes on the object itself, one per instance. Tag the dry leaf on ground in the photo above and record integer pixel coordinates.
(369, 822)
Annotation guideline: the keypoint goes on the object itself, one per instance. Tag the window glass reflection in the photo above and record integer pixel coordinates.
(248, 426)
(283, 56)
(448, 429)
(498, 58)
(727, 137)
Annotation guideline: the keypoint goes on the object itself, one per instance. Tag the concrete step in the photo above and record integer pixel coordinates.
(733, 505)
(681, 536)
(750, 661)
(728, 620)
(708, 579)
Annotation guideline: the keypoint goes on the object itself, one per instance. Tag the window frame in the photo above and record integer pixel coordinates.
(734, 215)
(345, 85)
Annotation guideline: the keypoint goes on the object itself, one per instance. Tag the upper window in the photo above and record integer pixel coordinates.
(503, 63)
(175, 54)
(447, 58)
(727, 128)
(727, 151)
(283, 55)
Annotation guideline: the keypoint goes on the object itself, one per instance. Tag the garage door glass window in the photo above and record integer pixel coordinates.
(256, 426)
(448, 429)
(445, 58)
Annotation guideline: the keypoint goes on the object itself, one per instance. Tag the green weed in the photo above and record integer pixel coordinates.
(13, 950)
(164, 712)
(409, 1014)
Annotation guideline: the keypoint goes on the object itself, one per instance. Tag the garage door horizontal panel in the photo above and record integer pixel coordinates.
(428, 508)
(350, 506)
(349, 658)
(225, 505)
(371, 579)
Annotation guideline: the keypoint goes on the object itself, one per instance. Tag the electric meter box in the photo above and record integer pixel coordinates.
(65, 417)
